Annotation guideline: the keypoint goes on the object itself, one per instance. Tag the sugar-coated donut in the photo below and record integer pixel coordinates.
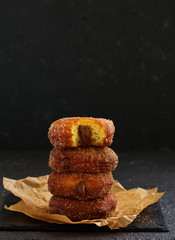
(79, 210)
(80, 186)
(85, 131)
(87, 160)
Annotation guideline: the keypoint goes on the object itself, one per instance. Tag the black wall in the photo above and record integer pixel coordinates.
(113, 59)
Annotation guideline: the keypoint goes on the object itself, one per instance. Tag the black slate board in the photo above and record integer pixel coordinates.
(150, 219)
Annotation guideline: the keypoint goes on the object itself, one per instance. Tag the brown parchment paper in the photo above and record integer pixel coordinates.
(35, 198)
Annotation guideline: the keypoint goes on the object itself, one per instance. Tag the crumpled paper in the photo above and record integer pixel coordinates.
(35, 198)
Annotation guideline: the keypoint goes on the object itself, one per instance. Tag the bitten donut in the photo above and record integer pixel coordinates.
(79, 210)
(80, 186)
(85, 132)
(87, 160)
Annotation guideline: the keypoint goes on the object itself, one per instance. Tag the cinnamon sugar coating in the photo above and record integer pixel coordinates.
(87, 160)
(61, 135)
(79, 210)
(80, 186)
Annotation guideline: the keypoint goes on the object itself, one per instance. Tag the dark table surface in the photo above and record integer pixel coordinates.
(135, 169)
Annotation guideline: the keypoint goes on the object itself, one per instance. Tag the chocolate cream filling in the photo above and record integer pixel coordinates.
(81, 189)
(85, 135)
(65, 163)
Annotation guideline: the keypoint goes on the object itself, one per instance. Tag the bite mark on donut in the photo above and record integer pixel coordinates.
(84, 133)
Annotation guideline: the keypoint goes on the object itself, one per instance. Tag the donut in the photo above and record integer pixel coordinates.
(80, 186)
(78, 210)
(85, 132)
(87, 160)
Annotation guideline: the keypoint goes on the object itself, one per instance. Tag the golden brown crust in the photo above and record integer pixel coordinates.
(87, 160)
(79, 210)
(60, 134)
(80, 186)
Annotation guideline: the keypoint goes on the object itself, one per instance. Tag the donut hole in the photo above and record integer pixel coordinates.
(98, 133)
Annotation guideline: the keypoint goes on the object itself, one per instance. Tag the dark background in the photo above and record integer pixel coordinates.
(111, 59)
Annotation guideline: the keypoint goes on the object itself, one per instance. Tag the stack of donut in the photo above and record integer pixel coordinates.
(82, 163)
